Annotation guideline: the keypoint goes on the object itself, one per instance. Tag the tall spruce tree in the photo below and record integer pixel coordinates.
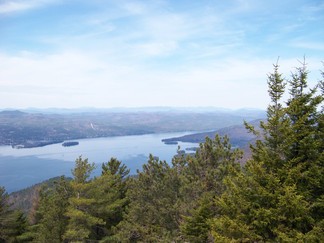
(304, 140)
(51, 219)
(278, 195)
(109, 192)
(152, 214)
(80, 220)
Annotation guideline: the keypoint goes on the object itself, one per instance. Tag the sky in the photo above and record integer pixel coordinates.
(133, 53)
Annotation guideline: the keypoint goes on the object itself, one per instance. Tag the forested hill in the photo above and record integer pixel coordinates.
(239, 136)
(39, 129)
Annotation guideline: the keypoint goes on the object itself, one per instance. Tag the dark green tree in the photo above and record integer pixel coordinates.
(306, 145)
(13, 223)
(51, 219)
(202, 181)
(109, 192)
(152, 214)
(278, 196)
(80, 220)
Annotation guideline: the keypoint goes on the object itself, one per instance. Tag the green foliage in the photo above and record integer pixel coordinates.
(80, 219)
(195, 227)
(13, 223)
(51, 213)
(109, 193)
(81, 171)
(152, 215)
(205, 171)
(279, 194)
(115, 167)
(202, 181)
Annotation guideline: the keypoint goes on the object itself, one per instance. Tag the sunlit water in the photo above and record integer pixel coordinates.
(20, 168)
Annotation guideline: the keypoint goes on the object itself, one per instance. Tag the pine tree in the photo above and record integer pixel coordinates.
(275, 130)
(278, 196)
(195, 227)
(304, 140)
(51, 220)
(3, 211)
(13, 223)
(173, 203)
(109, 192)
(80, 219)
(201, 181)
(152, 214)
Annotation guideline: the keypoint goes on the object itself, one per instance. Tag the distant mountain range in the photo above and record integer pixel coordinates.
(241, 111)
(32, 129)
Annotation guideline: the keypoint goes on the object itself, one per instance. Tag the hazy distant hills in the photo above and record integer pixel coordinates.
(243, 111)
(238, 134)
(32, 129)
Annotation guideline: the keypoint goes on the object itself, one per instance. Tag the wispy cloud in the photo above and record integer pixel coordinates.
(13, 6)
(310, 45)
(162, 52)
(81, 77)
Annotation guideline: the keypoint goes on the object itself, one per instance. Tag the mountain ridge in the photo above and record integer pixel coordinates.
(38, 129)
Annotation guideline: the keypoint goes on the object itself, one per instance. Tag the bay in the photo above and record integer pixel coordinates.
(20, 168)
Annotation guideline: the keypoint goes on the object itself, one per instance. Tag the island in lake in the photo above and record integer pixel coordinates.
(69, 144)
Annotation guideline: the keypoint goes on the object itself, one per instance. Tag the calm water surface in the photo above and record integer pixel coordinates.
(20, 168)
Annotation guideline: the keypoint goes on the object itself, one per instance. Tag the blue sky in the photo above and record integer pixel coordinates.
(183, 53)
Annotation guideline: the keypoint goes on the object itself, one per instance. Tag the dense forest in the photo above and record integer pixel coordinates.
(277, 196)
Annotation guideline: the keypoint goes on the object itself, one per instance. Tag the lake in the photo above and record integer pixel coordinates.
(20, 168)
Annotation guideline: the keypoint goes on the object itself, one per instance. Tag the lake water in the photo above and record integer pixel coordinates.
(20, 168)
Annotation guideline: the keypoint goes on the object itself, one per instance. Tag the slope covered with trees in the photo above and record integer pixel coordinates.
(28, 130)
(277, 196)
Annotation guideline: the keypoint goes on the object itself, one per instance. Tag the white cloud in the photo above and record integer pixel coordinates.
(135, 53)
(73, 79)
(306, 44)
(13, 6)
(8, 7)
(134, 7)
(156, 48)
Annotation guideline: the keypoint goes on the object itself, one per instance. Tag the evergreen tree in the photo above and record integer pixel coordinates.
(201, 181)
(51, 220)
(115, 167)
(173, 203)
(80, 219)
(278, 196)
(195, 227)
(276, 129)
(17, 225)
(3, 211)
(109, 192)
(13, 223)
(152, 215)
(306, 145)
